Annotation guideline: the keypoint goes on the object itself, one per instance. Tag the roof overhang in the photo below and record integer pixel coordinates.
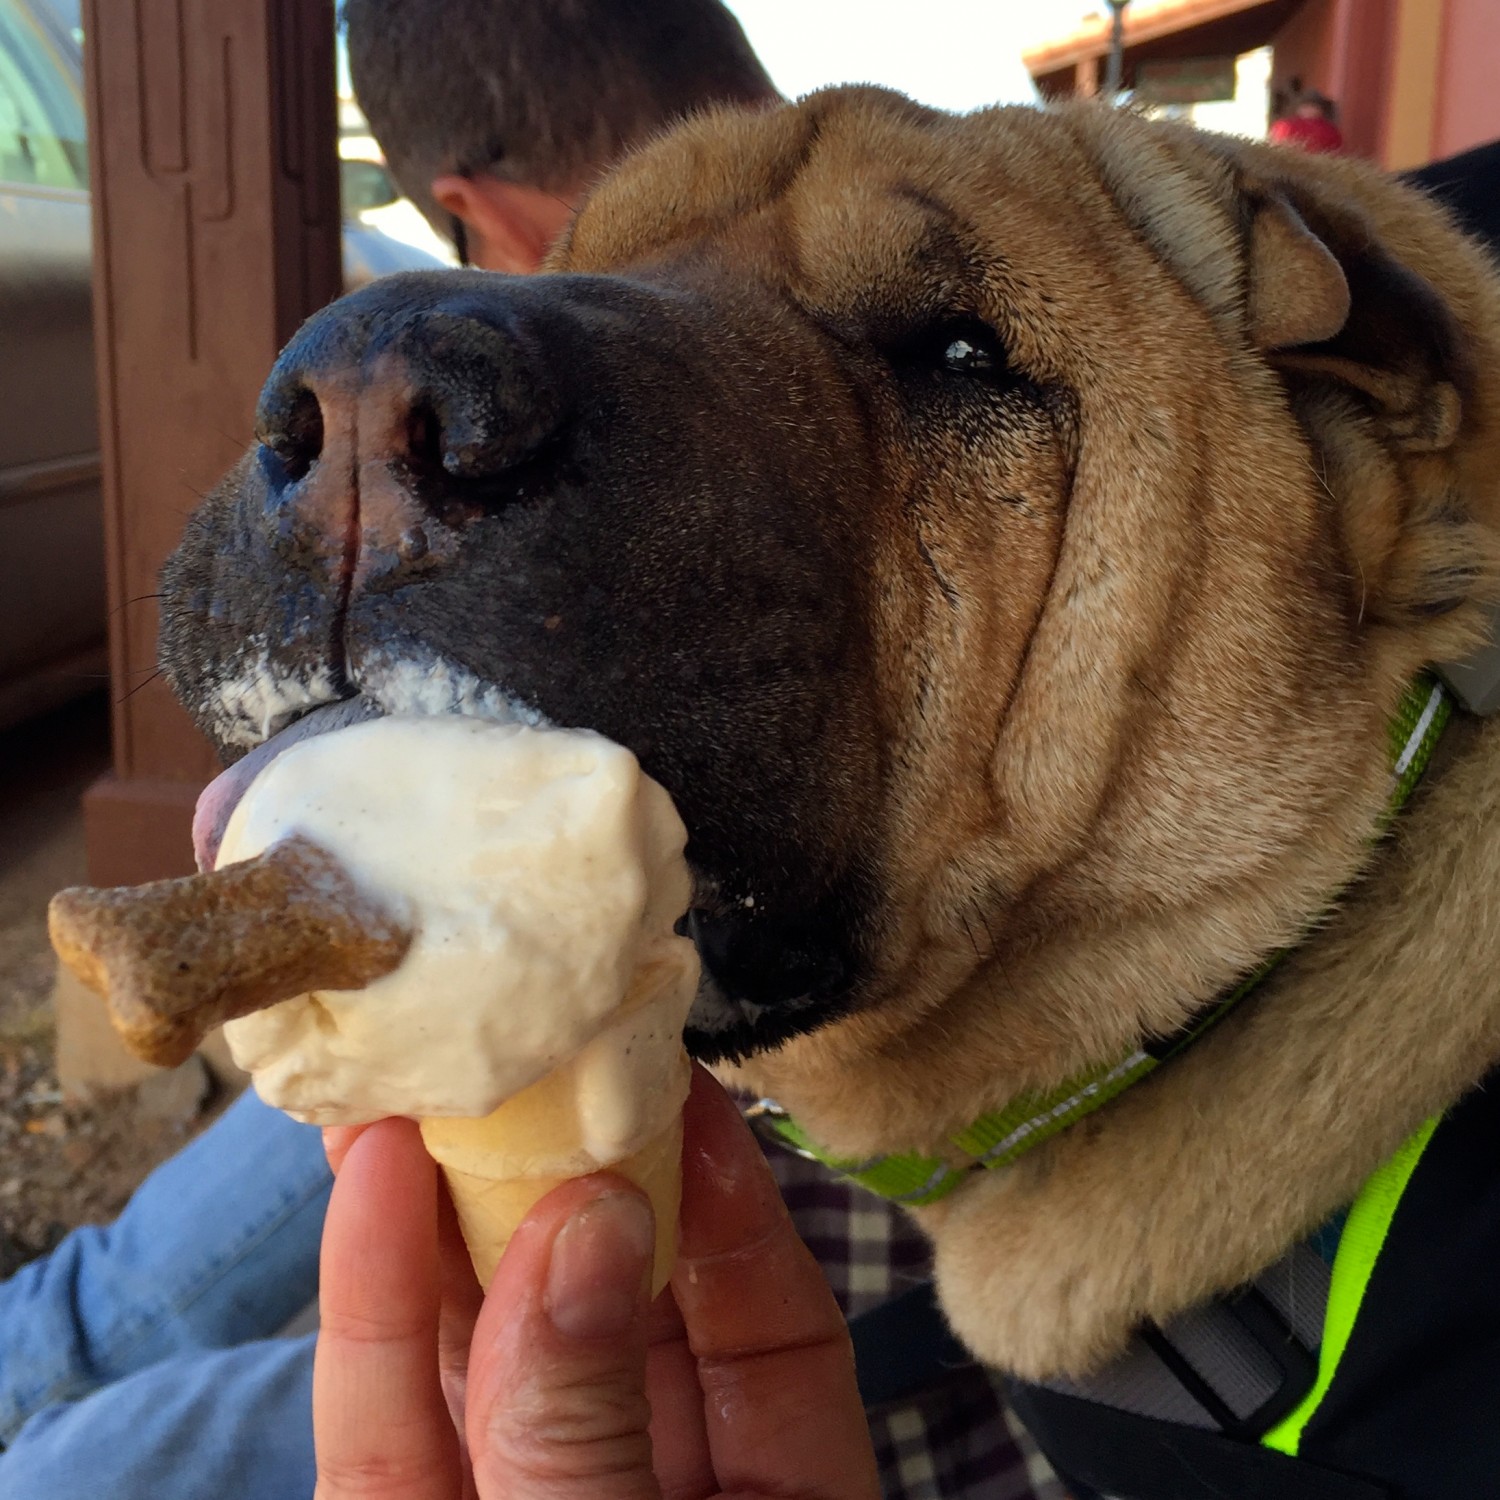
(1160, 30)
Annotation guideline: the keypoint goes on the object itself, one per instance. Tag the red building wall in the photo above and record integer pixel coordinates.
(1342, 48)
(1468, 93)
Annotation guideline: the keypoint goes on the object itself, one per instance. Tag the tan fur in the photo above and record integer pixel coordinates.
(1189, 1185)
(1138, 647)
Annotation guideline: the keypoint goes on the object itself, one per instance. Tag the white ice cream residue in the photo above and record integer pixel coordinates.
(262, 698)
(427, 684)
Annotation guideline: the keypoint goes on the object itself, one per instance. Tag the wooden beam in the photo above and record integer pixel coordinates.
(216, 231)
(1146, 22)
(1415, 70)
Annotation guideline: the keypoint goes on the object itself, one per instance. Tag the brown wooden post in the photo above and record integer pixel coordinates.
(212, 130)
(216, 231)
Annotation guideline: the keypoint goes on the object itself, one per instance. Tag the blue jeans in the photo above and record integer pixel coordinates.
(137, 1361)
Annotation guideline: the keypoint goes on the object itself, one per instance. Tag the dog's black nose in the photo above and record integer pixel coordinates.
(393, 419)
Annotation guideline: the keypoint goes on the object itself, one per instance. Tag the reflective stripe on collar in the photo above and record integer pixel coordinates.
(997, 1139)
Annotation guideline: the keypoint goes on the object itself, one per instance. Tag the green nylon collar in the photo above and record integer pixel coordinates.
(996, 1140)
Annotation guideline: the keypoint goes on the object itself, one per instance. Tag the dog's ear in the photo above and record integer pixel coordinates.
(1297, 293)
(1325, 297)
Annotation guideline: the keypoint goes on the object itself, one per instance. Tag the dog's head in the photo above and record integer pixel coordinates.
(994, 532)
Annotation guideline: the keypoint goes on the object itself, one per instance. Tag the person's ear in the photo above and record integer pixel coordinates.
(510, 226)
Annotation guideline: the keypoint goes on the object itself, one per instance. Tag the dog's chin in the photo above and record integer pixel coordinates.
(768, 976)
(721, 1028)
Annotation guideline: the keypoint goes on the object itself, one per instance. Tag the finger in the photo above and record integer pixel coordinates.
(460, 1299)
(773, 1353)
(379, 1423)
(337, 1139)
(679, 1431)
(557, 1377)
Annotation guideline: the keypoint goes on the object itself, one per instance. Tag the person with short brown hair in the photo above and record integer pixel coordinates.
(495, 118)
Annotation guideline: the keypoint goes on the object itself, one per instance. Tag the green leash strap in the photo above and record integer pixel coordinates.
(996, 1140)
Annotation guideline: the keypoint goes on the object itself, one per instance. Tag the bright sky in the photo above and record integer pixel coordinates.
(956, 54)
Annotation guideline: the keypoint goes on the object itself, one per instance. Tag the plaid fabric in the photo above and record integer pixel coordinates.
(959, 1443)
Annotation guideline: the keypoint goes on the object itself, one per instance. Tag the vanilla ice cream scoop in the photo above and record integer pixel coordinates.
(540, 873)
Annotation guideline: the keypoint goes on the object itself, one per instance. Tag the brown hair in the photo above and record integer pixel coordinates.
(544, 92)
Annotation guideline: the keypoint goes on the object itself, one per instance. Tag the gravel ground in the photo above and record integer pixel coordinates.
(68, 1164)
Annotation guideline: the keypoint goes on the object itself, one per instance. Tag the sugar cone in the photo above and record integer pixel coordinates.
(497, 1167)
(491, 1208)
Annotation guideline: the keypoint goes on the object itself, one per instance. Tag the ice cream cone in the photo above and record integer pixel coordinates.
(585, 1116)
(491, 1208)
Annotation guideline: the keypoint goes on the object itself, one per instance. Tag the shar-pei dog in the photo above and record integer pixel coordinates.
(1011, 539)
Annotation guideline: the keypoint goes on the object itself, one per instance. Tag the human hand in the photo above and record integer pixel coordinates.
(566, 1382)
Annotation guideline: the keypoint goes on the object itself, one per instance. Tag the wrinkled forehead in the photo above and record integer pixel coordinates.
(857, 202)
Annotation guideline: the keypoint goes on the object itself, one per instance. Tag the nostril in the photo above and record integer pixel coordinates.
(424, 439)
(439, 448)
(293, 431)
(443, 445)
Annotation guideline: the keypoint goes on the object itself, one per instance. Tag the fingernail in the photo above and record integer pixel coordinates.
(596, 1282)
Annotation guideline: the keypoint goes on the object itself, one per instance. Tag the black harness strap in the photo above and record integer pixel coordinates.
(903, 1348)
(1121, 1456)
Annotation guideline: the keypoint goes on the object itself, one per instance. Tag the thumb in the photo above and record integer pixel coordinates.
(557, 1376)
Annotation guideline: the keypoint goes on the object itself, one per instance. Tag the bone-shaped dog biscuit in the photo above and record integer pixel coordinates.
(175, 958)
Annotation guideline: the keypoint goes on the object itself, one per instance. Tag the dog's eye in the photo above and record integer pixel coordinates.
(956, 346)
(966, 355)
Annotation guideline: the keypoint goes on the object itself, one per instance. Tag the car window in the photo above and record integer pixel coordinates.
(41, 113)
(365, 185)
(67, 13)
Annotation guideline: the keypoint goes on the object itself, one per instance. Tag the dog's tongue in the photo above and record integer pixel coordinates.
(221, 796)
